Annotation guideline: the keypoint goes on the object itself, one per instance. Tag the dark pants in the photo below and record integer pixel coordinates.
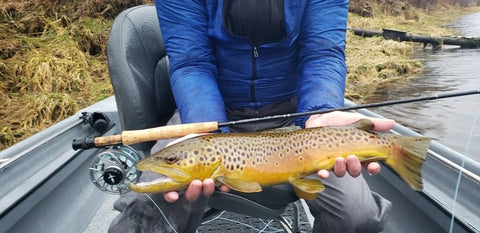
(346, 204)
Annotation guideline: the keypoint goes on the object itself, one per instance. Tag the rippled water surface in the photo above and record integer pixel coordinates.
(447, 70)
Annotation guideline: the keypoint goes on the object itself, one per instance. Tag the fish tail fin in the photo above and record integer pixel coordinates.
(407, 158)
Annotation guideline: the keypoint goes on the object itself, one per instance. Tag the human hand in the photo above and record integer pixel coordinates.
(351, 164)
(196, 187)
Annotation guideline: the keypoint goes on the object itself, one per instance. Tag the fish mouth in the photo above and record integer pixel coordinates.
(168, 178)
(165, 170)
(159, 185)
(162, 180)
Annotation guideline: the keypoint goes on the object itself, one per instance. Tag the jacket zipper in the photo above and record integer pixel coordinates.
(254, 76)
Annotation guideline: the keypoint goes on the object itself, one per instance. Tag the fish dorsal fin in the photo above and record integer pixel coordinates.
(363, 124)
(240, 185)
(307, 188)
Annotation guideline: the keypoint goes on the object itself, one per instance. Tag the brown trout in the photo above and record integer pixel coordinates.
(247, 161)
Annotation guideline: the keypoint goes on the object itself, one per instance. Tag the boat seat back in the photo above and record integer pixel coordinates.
(138, 70)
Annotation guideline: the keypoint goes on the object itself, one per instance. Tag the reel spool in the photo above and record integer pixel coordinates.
(113, 169)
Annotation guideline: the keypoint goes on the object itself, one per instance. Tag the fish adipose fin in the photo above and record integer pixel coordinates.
(408, 158)
(307, 188)
(241, 185)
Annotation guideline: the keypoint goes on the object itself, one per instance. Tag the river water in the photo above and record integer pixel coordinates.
(450, 69)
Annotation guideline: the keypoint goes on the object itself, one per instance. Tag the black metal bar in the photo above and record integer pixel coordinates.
(463, 42)
(372, 105)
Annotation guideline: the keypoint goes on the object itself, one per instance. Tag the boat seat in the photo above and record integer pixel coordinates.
(138, 69)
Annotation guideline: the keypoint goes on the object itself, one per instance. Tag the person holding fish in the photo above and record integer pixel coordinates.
(238, 59)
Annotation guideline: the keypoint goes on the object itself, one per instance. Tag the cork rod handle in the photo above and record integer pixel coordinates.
(144, 135)
(164, 132)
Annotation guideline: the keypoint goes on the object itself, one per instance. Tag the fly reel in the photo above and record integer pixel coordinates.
(113, 169)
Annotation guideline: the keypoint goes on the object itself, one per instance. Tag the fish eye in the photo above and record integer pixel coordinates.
(171, 159)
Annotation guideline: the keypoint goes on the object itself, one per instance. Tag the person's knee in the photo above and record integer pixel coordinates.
(369, 216)
(348, 205)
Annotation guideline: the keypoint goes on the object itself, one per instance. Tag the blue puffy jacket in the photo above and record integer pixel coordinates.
(211, 69)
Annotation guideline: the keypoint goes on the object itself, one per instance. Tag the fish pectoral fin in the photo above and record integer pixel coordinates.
(363, 124)
(240, 185)
(307, 188)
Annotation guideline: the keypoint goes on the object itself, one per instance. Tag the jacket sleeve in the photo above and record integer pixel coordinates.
(192, 63)
(322, 67)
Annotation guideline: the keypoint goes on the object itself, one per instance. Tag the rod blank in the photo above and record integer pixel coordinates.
(171, 131)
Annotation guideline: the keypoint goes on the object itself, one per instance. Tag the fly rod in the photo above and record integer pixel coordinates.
(173, 131)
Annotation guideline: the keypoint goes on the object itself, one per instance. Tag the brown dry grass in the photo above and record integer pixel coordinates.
(52, 61)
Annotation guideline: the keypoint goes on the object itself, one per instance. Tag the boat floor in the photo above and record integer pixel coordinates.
(221, 222)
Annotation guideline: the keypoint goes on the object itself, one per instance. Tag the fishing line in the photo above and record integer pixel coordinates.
(165, 217)
(467, 147)
(274, 228)
(263, 230)
(246, 225)
(213, 219)
(268, 225)
(218, 217)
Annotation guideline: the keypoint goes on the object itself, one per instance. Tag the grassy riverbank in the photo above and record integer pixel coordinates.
(372, 61)
(53, 61)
